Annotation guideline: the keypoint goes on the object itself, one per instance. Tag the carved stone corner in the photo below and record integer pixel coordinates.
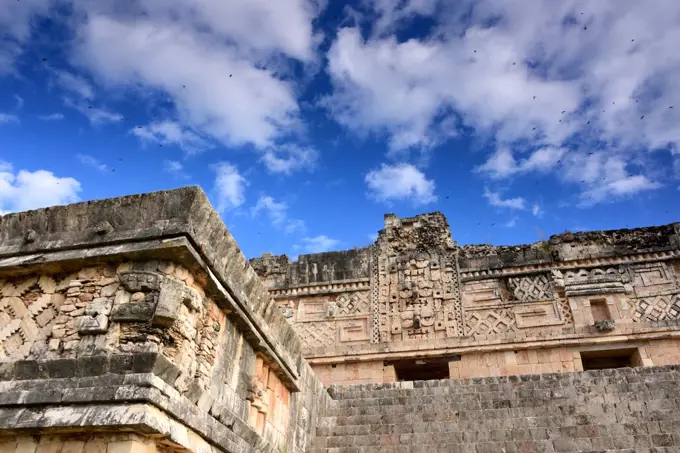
(140, 281)
(103, 228)
(173, 294)
(605, 325)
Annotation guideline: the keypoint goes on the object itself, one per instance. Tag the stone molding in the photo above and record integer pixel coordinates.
(463, 345)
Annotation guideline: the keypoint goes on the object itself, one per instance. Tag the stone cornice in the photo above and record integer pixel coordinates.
(480, 274)
(465, 345)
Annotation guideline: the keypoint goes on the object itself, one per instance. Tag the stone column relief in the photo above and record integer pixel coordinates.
(418, 297)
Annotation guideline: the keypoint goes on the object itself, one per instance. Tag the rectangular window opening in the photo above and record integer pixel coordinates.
(423, 369)
(599, 309)
(611, 358)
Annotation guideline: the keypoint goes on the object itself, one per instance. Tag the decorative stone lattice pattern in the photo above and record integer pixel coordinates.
(375, 298)
(565, 310)
(495, 321)
(656, 308)
(317, 334)
(531, 288)
(26, 309)
(353, 303)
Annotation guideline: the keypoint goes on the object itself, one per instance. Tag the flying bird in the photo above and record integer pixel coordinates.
(563, 112)
(585, 28)
(588, 122)
(642, 116)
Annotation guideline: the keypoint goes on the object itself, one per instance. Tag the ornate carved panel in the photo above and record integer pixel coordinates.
(656, 308)
(649, 279)
(537, 315)
(26, 308)
(317, 334)
(311, 311)
(490, 321)
(352, 303)
(353, 330)
(586, 282)
(531, 287)
(481, 293)
(418, 298)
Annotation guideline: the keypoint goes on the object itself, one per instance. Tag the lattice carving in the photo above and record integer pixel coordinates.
(317, 334)
(565, 310)
(492, 321)
(656, 308)
(25, 310)
(531, 287)
(419, 297)
(375, 299)
(352, 303)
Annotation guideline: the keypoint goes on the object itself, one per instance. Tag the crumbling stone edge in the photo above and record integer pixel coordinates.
(97, 391)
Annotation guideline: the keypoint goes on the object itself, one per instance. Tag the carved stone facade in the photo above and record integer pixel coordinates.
(415, 289)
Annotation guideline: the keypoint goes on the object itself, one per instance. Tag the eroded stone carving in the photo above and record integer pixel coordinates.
(156, 298)
(531, 287)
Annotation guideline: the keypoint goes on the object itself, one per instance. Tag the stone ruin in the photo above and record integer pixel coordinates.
(136, 325)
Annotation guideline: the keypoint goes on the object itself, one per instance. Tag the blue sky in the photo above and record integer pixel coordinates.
(305, 121)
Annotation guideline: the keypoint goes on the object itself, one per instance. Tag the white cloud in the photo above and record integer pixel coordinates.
(495, 199)
(317, 244)
(96, 115)
(502, 163)
(27, 190)
(525, 75)
(603, 177)
(537, 210)
(171, 133)
(52, 117)
(16, 23)
(91, 162)
(278, 214)
(400, 182)
(175, 168)
(287, 158)
(218, 61)
(511, 223)
(230, 186)
(8, 118)
(74, 84)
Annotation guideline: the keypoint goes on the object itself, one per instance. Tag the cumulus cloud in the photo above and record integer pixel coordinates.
(25, 190)
(317, 244)
(495, 199)
(91, 162)
(216, 60)
(531, 77)
(502, 163)
(230, 186)
(171, 133)
(400, 182)
(287, 158)
(278, 214)
(15, 23)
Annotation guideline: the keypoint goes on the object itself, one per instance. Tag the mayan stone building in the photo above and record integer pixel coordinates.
(136, 325)
(415, 305)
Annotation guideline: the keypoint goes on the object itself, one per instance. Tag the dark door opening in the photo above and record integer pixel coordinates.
(611, 358)
(423, 369)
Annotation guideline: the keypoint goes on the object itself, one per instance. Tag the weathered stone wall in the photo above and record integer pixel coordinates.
(624, 410)
(116, 322)
(422, 295)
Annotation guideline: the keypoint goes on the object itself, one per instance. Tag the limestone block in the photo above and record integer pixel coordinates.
(173, 294)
